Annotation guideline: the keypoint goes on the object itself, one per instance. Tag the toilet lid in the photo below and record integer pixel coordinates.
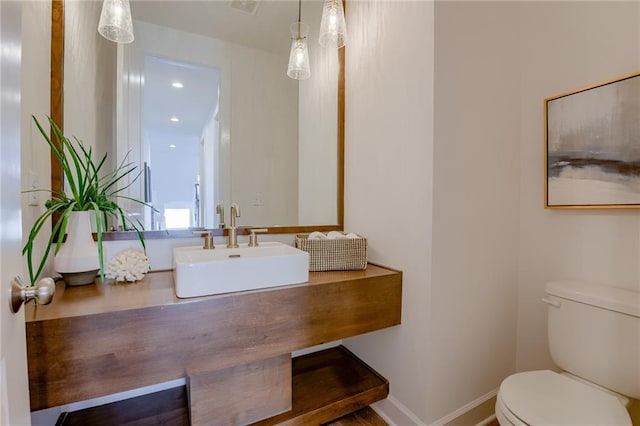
(542, 398)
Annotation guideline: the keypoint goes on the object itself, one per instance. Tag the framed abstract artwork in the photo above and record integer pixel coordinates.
(592, 146)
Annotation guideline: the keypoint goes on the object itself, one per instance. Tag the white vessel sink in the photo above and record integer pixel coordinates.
(200, 272)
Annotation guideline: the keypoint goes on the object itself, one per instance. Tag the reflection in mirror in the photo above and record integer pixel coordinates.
(179, 115)
(241, 130)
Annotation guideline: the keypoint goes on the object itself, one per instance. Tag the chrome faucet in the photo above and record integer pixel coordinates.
(233, 231)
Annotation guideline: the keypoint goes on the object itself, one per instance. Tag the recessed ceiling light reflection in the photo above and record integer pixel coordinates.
(174, 119)
(172, 146)
(177, 85)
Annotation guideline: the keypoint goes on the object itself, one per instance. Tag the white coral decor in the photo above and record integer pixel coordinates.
(130, 265)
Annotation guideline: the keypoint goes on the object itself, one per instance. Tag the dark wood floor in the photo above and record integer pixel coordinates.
(176, 415)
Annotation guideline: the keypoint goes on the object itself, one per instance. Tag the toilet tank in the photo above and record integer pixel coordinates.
(594, 333)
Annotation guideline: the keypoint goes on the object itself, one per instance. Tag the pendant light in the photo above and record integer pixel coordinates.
(333, 28)
(115, 21)
(299, 68)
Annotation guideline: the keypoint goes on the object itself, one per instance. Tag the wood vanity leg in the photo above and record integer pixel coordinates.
(241, 394)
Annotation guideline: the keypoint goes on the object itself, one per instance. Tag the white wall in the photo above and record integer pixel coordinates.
(389, 176)
(566, 46)
(264, 138)
(493, 246)
(475, 215)
(434, 213)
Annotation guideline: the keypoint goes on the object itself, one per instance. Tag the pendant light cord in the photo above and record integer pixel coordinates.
(299, 16)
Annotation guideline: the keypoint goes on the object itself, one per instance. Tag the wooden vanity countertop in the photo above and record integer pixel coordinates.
(156, 289)
(107, 338)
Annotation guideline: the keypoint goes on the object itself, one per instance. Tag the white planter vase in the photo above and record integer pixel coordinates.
(77, 261)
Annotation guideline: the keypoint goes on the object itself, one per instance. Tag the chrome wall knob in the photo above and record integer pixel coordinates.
(43, 292)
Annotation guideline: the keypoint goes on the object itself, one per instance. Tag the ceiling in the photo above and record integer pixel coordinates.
(193, 104)
(266, 29)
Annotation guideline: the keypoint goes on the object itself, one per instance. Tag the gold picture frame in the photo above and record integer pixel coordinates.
(592, 146)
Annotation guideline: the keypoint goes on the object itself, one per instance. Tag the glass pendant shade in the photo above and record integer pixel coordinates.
(299, 68)
(115, 21)
(333, 28)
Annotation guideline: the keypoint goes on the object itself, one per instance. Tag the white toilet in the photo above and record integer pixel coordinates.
(594, 337)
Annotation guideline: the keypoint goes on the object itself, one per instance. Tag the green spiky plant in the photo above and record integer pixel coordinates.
(91, 189)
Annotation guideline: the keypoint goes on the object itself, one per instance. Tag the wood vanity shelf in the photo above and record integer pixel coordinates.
(101, 339)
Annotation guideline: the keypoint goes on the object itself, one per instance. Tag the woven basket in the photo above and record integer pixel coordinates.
(345, 254)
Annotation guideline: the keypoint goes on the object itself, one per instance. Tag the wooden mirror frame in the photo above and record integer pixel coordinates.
(57, 114)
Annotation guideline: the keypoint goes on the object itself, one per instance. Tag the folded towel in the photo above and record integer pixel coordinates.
(351, 235)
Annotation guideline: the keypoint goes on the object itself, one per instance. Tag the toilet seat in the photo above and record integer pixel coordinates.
(546, 398)
(504, 416)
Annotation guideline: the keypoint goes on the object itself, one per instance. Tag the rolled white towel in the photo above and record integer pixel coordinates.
(335, 235)
(351, 235)
(317, 235)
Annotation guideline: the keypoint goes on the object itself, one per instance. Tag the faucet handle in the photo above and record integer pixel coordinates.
(207, 236)
(220, 212)
(253, 237)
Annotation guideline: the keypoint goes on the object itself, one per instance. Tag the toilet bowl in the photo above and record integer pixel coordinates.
(594, 339)
(546, 398)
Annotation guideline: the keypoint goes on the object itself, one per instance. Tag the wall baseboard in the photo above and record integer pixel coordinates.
(480, 409)
(396, 413)
(468, 410)
(487, 421)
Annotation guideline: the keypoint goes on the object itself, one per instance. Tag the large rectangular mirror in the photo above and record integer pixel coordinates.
(242, 131)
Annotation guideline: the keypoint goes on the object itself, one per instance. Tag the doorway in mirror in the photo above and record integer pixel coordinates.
(181, 142)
